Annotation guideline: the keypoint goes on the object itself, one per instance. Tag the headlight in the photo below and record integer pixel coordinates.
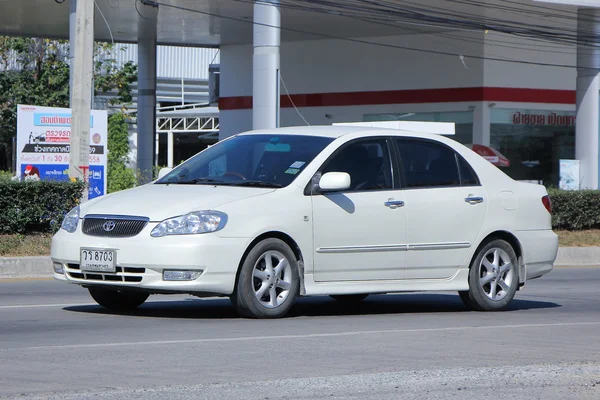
(194, 222)
(71, 220)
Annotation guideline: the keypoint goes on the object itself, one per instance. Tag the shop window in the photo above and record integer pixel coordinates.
(534, 141)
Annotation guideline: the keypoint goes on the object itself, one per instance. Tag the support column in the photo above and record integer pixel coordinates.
(82, 70)
(265, 65)
(481, 124)
(587, 128)
(170, 146)
(72, 30)
(146, 101)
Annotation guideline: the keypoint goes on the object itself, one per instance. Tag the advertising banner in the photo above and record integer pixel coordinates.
(43, 144)
(569, 175)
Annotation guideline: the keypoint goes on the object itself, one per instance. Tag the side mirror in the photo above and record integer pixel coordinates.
(334, 182)
(164, 171)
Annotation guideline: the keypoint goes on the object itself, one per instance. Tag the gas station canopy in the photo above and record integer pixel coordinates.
(211, 22)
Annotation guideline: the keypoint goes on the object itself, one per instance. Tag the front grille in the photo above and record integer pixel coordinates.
(122, 274)
(117, 226)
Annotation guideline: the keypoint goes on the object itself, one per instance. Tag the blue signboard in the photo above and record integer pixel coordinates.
(60, 172)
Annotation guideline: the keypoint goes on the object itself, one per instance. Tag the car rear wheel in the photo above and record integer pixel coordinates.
(349, 298)
(118, 300)
(268, 281)
(493, 277)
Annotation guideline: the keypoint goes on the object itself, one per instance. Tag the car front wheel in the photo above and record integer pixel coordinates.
(493, 277)
(120, 301)
(268, 281)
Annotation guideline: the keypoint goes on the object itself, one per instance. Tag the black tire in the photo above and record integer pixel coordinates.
(349, 298)
(248, 286)
(118, 300)
(480, 296)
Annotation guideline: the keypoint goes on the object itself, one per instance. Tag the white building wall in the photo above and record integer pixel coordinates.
(500, 45)
(318, 66)
(519, 74)
(343, 66)
(236, 71)
(234, 121)
(334, 66)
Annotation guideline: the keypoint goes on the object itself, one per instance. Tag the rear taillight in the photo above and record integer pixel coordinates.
(547, 203)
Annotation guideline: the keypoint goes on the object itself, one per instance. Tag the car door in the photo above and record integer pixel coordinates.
(445, 207)
(360, 233)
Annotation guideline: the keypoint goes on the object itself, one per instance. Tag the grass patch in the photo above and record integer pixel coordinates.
(17, 245)
(39, 244)
(584, 238)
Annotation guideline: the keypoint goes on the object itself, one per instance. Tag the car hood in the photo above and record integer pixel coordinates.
(158, 201)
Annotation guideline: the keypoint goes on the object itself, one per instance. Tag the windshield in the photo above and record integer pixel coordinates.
(249, 160)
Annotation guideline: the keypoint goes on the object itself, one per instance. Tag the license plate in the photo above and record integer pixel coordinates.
(98, 260)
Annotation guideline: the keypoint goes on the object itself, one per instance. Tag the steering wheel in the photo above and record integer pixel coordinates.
(231, 173)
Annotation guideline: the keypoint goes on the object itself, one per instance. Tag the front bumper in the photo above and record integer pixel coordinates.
(142, 259)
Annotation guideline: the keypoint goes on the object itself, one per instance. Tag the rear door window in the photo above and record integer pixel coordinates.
(427, 164)
(468, 177)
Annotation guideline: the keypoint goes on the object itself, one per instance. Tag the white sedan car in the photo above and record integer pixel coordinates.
(266, 216)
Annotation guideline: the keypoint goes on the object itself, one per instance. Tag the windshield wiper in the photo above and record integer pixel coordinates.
(258, 184)
(196, 181)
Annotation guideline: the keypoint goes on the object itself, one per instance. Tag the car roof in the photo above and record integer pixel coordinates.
(331, 131)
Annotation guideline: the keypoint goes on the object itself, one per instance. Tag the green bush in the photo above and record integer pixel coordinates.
(36, 205)
(5, 176)
(575, 210)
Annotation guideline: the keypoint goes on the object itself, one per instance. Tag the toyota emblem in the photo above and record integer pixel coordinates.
(108, 226)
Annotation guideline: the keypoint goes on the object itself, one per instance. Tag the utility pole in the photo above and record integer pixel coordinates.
(79, 153)
(72, 33)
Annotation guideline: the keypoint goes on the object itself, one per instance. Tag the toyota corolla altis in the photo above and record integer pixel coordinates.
(266, 216)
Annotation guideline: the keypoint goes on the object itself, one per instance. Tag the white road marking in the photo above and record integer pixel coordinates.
(45, 305)
(304, 336)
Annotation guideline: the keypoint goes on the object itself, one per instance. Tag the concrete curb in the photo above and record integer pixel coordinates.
(25, 267)
(41, 267)
(577, 256)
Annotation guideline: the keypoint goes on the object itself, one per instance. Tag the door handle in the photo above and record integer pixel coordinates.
(474, 199)
(393, 204)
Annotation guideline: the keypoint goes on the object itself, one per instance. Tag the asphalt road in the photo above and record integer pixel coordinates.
(54, 343)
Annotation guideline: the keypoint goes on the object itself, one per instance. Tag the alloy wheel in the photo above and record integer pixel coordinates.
(496, 274)
(272, 279)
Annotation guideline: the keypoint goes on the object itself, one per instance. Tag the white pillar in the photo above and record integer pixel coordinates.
(481, 124)
(265, 65)
(588, 90)
(72, 30)
(146, 107)
(156, 148)
(170, 149)
(83, 56)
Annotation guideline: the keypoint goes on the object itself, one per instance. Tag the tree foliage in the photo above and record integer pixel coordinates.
(36, 71)
(119, 175)
(32, 71)
(108, 76)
